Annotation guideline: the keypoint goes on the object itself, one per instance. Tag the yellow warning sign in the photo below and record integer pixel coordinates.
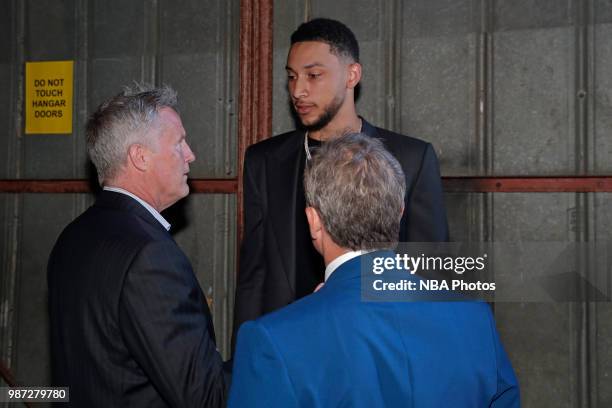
(48, 99)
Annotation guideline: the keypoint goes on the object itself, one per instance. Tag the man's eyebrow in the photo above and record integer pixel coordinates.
(314, 64)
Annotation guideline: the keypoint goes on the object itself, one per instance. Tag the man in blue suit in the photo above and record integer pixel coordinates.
(334, 349)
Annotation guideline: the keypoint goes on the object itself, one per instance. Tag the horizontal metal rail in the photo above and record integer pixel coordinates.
(227, 186)
(463, 184)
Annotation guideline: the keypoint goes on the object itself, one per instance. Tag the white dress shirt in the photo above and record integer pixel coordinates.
(333, 265)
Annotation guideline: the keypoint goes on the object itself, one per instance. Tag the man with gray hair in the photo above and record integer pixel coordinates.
(130, 326)
(333, 348)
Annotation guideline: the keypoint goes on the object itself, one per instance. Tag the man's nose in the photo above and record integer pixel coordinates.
(188, 153)
(299, 87)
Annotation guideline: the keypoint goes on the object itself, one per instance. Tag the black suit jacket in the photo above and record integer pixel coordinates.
(130, 326)
(266, 279)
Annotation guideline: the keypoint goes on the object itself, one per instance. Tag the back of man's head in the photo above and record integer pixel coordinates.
(122, 121)
(357, 187)
(339, 37)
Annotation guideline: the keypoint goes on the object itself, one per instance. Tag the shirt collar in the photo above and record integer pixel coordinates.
(333, 265)
(146, 205)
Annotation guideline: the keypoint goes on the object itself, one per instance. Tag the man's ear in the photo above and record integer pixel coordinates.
(314, 223)
(139, 156)
(354, 75)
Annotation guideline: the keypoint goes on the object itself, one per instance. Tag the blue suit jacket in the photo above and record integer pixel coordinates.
(332, 349)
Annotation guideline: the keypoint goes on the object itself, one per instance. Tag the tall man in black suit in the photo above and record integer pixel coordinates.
(130, 326)
(278, 263)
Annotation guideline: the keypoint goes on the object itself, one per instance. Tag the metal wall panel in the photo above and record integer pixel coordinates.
(122, 47)
(198, 47)
(8, 265)
(601, 330)
(50, 32)
(438, 94)
(503, 87)
(540, 337)
(423, 18)
(539, 348)
(599, 160)
(526, 14)
(465, 220)
(7, 43)
(439, 80)
(601, 150)
(43, 217)
(189, 45)
(111, 36)
(51, 29)
(12, 56)
(533, 113)
(5, 110)
(204, 226)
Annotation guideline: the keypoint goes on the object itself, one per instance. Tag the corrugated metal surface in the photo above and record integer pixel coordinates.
(499, 87)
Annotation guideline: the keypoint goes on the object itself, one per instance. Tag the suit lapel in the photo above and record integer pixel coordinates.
(284, 168)
(368, 129)
(393, 148)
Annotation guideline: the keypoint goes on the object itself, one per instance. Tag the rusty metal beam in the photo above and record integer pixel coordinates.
(229, 186)
(255, 87)
(45, 186)
(569, 184)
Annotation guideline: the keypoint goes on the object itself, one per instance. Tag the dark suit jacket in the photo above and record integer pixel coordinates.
(368, 354)
(130, 326)
(266, 279)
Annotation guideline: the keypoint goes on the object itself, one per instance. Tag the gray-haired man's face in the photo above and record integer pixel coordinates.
(171, 156)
